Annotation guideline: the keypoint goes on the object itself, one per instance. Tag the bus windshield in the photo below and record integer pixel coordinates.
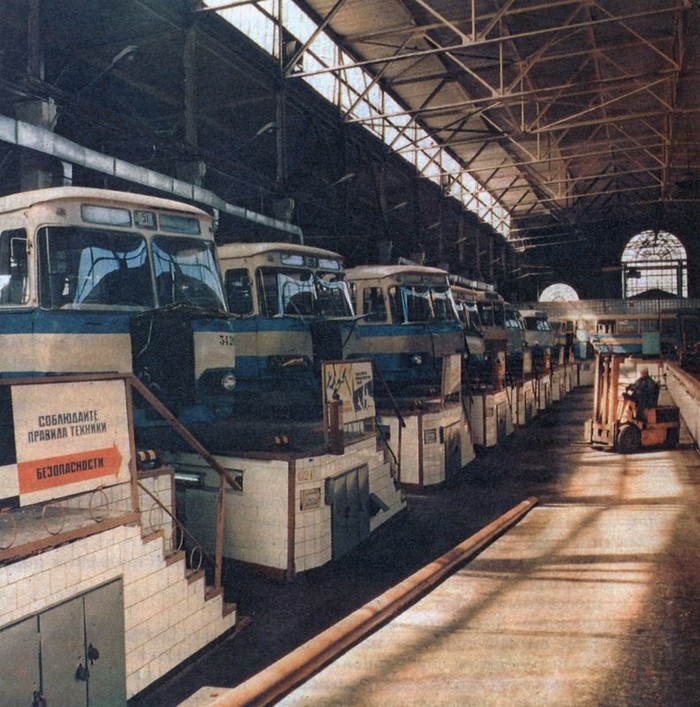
(469, 316)
(426, 304)
(534, 323)
(186, 273)
(491, 314)
(81, 267)
(293, 292)
(443, 304)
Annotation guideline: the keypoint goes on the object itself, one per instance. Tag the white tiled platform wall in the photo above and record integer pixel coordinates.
(421, 444)
(684, 390)
(166, 617)
(557, 384)
(312, 546)
(487, 410)
(586, 373)
(544, 392)
(257, 520)
(524, 402)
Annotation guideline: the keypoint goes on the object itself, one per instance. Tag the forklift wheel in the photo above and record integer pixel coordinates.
(629, 439)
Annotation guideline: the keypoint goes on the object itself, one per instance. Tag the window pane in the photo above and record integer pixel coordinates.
(14, 281)
(373, 305)
(238, 294)
(83, 267)
(186, 273)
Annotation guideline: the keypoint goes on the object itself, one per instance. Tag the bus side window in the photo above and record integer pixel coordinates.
(486, 313)
(267, 293)
(373, 305)
(13, 267)
(238, 292)
(395, 304)
(627, 326)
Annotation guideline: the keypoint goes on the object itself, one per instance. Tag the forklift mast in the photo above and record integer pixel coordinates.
(603, 425)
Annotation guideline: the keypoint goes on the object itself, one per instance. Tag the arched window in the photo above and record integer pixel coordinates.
(559, 293)
(654, 262)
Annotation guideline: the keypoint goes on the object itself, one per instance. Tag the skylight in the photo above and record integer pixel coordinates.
(354, 91)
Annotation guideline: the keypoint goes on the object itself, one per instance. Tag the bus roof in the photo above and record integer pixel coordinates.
(489, 296)
(533, 313)
(469, 284)
(378, 272)
(247, 250)
(25, 199)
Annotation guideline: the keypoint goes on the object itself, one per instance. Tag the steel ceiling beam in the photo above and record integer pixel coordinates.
(469, 44)
(545, 6)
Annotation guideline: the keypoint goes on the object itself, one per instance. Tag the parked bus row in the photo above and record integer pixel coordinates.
(270, 353)
(500, 330)
(92, 280)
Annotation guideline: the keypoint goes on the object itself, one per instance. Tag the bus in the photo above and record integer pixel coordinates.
(502, 327)
(668, 327)
(95, 281)
(406, 323)
(291, 302)
(478, 367)
(538, 334)
(663, 333)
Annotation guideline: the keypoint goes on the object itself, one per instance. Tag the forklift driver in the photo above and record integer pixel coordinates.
(644, 392)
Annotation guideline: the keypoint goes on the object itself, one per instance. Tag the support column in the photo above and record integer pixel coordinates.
(191, 171)
(36, 170)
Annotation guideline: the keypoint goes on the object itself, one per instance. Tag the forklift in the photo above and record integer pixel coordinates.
(617, 423)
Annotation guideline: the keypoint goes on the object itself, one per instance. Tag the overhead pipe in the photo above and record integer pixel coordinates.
(295, 668)
(34, 137)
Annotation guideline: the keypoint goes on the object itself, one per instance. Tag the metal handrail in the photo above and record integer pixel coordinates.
(199, 449)
(180, 527)
(394, 404)
(193, 442)
(389, 448)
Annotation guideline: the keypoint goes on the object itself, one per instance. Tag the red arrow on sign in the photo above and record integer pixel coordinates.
(41, 474)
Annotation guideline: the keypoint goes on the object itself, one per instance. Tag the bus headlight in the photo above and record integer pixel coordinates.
(228, 381)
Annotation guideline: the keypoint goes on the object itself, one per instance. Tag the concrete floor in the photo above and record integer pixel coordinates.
(590, 600)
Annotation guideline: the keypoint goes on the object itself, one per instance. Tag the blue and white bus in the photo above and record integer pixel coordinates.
(407, 323)
(291, 302)
(95, 280)
(502, 327)
(479, 365)
(539, 336)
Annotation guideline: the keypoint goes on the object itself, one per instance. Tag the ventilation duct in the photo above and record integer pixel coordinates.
(33, 137)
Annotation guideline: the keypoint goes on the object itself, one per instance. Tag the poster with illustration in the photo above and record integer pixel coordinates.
(351, 382)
